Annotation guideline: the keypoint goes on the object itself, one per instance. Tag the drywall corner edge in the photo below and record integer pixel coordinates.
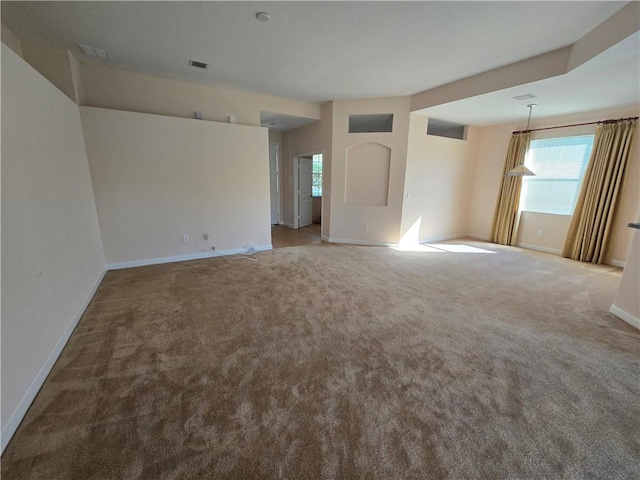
(477, 236)
(184, 258)
(538, 248)
(34, 387)
(349, 241)
(442, 238)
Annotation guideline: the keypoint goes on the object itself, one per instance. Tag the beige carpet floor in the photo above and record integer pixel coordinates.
(343, 362)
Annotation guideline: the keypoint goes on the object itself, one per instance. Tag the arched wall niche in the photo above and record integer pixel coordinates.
(367, 174)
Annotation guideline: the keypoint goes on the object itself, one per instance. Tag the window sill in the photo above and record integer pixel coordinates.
(545, 213)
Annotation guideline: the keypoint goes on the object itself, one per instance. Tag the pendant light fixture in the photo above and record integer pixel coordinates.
(521, 170)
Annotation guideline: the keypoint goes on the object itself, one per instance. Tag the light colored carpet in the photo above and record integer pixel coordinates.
(343, 362)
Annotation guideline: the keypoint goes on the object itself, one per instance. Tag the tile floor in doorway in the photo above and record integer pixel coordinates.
(282, 236)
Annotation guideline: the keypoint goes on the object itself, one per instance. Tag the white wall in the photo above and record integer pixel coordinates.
(54, 64)
(53, 258)
(438, 183)
(553, 227)
(157, 178)
(136, 92)
(313, 137)
(627, 303)
(10, 40)
(277, 138)
(348, 221)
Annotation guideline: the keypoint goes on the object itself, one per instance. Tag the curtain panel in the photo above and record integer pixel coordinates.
(506, 218)
(590, 227)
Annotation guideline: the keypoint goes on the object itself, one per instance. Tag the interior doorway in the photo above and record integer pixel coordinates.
(305, 199)
(274, 183)
(307, 177)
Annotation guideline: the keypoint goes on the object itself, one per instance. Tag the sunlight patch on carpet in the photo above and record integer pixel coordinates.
(459, 248)
(417, 248)
(440, 248)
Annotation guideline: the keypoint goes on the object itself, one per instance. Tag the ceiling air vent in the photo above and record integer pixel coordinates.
(197, 64)
(526, 96)
(93, 51)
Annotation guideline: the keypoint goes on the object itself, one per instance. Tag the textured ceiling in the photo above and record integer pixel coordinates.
(608, 80)
(312, 51)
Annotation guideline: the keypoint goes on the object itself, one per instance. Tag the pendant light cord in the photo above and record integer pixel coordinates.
(531, 105)
(520, 170)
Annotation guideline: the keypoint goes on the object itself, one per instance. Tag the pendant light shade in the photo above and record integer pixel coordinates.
(521, 170)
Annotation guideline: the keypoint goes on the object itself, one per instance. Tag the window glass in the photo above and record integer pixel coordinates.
(316, 176)
(559, 165)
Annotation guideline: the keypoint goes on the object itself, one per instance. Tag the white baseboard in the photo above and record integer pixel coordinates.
(236, 251)
(322, 237)
(441, 238)
(626, 316)
(530, 246)
(486, 238)
(362, 242)
(182, 258)
(34, 387)
(290, 225)
(390, 244)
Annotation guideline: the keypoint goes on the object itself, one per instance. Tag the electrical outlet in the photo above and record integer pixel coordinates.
(185, 238)
(366, 228)
(205, 236)
(540, 233)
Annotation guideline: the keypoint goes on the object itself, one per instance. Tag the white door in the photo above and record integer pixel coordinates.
(305, 170)
(275, 187)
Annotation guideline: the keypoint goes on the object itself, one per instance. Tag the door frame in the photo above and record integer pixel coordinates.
(296, 189)
(278, 181)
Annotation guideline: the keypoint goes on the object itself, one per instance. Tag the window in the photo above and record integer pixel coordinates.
(442, 128)
(372, 123)
(559, 164)
(316, 176)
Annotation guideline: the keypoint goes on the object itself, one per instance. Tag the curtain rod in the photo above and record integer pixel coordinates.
(577, 125)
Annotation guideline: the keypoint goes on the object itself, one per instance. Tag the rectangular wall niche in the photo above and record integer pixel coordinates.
(373, 123)
(442, 128)
(367, 172)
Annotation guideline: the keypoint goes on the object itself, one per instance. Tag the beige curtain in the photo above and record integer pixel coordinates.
(506, 218)
(590, 226)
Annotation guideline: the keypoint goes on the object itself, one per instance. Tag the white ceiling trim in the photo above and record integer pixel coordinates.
(456, 54)
(614, 30)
